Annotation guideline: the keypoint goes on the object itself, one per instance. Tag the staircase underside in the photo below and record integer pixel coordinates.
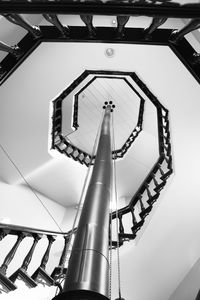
(26, 137)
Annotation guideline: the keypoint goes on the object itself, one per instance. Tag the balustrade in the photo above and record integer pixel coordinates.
(40, 275)
(2, 234)
(11, 254)
(53, 19)
(178, 35)
(150, 188)
(156, 22)
(2, 72)
(88, 19)
(137, 224)
(195, 60)
(21, 273)
(121, 22)
(6, 283)
(61, 270)
(121, 227)
(144, 210)
(14, 50)
(22, 22)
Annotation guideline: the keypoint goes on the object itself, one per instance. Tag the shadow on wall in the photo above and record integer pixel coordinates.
(189, 286)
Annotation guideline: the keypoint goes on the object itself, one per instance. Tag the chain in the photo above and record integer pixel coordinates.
(117, 225)
(110, 252)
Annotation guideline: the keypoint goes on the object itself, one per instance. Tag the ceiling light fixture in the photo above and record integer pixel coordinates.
(113, 22)
(109, 52)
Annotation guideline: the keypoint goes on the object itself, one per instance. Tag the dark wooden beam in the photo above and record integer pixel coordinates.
(183, 50)
(172, 10)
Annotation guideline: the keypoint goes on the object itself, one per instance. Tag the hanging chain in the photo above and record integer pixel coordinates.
(117, 223)
(110, 245)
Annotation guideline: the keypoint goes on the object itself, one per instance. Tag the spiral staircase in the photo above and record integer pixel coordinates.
(53, 86)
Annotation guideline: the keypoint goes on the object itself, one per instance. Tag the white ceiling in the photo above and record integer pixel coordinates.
(27, 102)
(90, 112)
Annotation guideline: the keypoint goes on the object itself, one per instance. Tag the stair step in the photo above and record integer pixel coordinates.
(41, 276)
(6, 284)
(23, 275)
(153, 199)
(137, 226)
(146, 211)
(127, 236)
(166, 175)
(159, 187)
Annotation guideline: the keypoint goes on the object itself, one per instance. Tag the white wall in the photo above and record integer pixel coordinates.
(189, 286)
(23, 208)
(170, 246)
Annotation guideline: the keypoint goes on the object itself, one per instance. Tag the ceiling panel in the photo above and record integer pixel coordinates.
(90, 112)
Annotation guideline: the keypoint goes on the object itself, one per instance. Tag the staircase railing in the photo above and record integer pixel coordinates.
(139, 207)
(149, 191)
(142, 202)
(40, 275)
(174, 9)
(123, 11)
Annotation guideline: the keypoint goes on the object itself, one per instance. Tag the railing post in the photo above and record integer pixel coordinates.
(53, 19)
(2, 234)
(29, 256)
(46, 254)
(40, 275)
(156, 22)
(121, 22)
(11, 254)
(2, 71)
(64, 252)
(87, 19)
(60, 270)
(177, 35)
(121, 227)
(20, 21)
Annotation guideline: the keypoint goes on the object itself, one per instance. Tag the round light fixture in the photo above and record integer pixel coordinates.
(113, 22)
(109, 52)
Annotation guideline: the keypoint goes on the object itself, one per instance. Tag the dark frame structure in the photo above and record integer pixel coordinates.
(164, 8)
(183, 50)
(57, 137)
(149, 191)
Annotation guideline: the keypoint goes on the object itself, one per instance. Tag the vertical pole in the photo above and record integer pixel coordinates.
(88, 270)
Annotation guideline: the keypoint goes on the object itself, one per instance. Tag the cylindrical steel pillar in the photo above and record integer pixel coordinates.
(88, 270)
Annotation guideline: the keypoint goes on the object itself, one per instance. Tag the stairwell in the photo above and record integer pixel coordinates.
(137, 213)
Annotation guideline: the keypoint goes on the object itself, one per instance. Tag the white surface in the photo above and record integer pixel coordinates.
(189, 286)
(90, 103)
(21, 207)
(38, 293)
(25, 133)
(170, 245)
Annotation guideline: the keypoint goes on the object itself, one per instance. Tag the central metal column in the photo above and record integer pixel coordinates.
(88, 270)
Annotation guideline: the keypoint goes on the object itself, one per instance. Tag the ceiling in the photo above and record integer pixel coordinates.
(90, 103)
(168, 247)
(26, 133)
